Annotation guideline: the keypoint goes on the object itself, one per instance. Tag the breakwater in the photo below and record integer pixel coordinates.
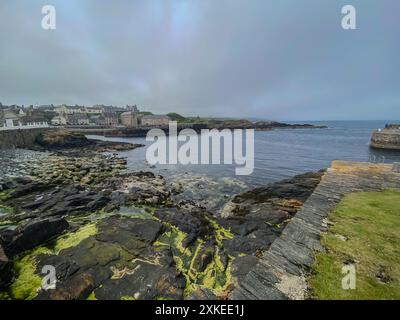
(386, 139)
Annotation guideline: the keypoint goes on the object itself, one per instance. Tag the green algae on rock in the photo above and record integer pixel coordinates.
(73, 239)
(27, 282)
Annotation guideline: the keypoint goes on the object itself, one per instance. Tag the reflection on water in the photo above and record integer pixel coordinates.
(282, 154)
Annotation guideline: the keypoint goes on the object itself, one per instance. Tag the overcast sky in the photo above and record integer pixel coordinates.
(273, 59)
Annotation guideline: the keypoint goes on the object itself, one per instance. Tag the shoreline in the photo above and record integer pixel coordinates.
(86, 202)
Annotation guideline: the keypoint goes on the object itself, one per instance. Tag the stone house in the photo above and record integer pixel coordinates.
(110, 118)
(129, 119)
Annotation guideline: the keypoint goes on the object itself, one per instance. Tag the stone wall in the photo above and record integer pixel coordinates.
(386, 139)
(20, 138)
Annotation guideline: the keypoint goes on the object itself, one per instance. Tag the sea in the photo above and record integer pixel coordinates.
(282, 153)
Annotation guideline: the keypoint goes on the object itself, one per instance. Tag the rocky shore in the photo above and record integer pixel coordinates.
(112, 233)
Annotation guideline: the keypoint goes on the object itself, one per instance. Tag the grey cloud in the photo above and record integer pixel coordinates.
(287, 60)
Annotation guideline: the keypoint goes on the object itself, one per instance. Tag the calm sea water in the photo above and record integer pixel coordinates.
(284, 153)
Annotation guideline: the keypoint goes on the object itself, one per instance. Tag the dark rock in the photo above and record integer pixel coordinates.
(62, 139)
(64, 266)
(194, 223)
(29, 188)
(123, 230)
(147, 281)
(78, 287)
(204, 257)
(32, 234)
(257, 217)
(6, 273)
(202, 294)
(14, 183)
(299, 188)
(241, 266)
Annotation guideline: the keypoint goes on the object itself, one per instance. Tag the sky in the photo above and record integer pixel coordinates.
(267, 59)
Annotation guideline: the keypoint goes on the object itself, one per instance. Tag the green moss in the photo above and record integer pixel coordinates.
(215, 277)
(27, 282)
(73, 239)
(6, 222)
(220, 232)
(5, 195)
(365, 233)
(92, 296)
(162, 298)
(127, 298)
(4, 296)
(6, 209)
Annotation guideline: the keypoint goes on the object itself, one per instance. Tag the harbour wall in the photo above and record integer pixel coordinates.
(386, 139)
(20, 138)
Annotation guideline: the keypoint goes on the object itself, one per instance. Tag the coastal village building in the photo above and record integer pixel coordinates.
(33, 121)
(130, 119)
(59, 120)
(105, 119)
(69, 110)
(97, 120)
(18, 118)
(155, 120)
(10, 119)
(78, 120)
(94, 110)
(111, 119)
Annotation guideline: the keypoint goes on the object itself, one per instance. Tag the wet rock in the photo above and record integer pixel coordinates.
(24, 189)
(78, 287)
(13, 183)
(65, 267)
(68, 201)
(31, 234)
(205, 256)
(144, 230)
(145, 281)
(202, 294)
(295, 191)
(242, 265)
(257, 217)
(194, 223)
(5, 270)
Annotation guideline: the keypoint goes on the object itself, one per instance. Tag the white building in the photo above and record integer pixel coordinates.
(59, 120)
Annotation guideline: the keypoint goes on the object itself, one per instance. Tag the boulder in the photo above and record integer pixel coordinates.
(32, 234)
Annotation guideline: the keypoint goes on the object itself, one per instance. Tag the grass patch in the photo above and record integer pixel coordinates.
(366, 233)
